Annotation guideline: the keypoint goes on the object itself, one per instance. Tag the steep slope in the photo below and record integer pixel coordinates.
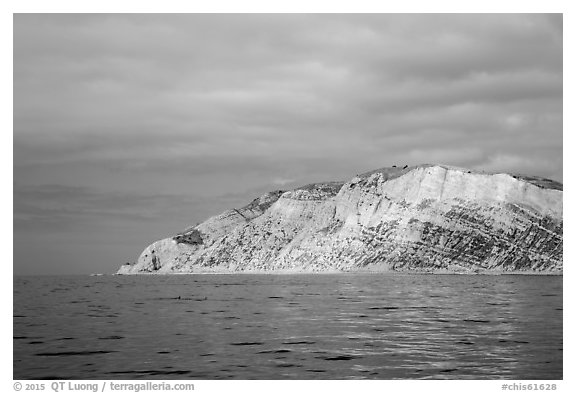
(425, 218)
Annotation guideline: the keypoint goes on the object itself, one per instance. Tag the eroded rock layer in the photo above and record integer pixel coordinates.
(428, 218)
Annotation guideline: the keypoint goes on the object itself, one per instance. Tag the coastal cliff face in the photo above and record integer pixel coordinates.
(427, 218)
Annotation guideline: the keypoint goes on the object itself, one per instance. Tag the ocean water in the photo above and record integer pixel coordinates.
(333, 326)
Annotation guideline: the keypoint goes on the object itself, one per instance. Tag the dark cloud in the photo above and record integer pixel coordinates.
(125, 120)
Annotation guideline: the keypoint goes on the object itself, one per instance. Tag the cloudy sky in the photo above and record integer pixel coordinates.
(129, 128)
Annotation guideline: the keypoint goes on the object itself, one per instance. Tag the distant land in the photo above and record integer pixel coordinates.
(422, 219)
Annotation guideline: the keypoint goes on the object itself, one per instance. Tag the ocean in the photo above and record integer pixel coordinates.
(251, 326)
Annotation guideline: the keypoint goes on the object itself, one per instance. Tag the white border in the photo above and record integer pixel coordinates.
(259, 6)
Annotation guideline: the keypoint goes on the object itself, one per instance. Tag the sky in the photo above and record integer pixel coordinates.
(131, 127)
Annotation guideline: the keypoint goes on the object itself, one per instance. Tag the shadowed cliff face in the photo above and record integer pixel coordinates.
(425, 218)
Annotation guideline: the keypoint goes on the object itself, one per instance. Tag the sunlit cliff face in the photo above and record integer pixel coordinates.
(425, 218)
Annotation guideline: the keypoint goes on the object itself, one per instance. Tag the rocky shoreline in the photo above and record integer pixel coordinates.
(338, 272)
(425, 219)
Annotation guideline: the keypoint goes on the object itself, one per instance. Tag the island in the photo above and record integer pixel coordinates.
(426, 218)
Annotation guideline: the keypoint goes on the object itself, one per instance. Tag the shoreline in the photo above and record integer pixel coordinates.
(339, 272)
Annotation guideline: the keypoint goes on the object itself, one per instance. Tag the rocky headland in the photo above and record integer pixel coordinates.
(425, 218)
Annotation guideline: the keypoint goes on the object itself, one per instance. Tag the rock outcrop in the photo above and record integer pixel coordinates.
(426, 218)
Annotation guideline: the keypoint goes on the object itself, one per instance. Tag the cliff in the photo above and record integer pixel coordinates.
(426, 218)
